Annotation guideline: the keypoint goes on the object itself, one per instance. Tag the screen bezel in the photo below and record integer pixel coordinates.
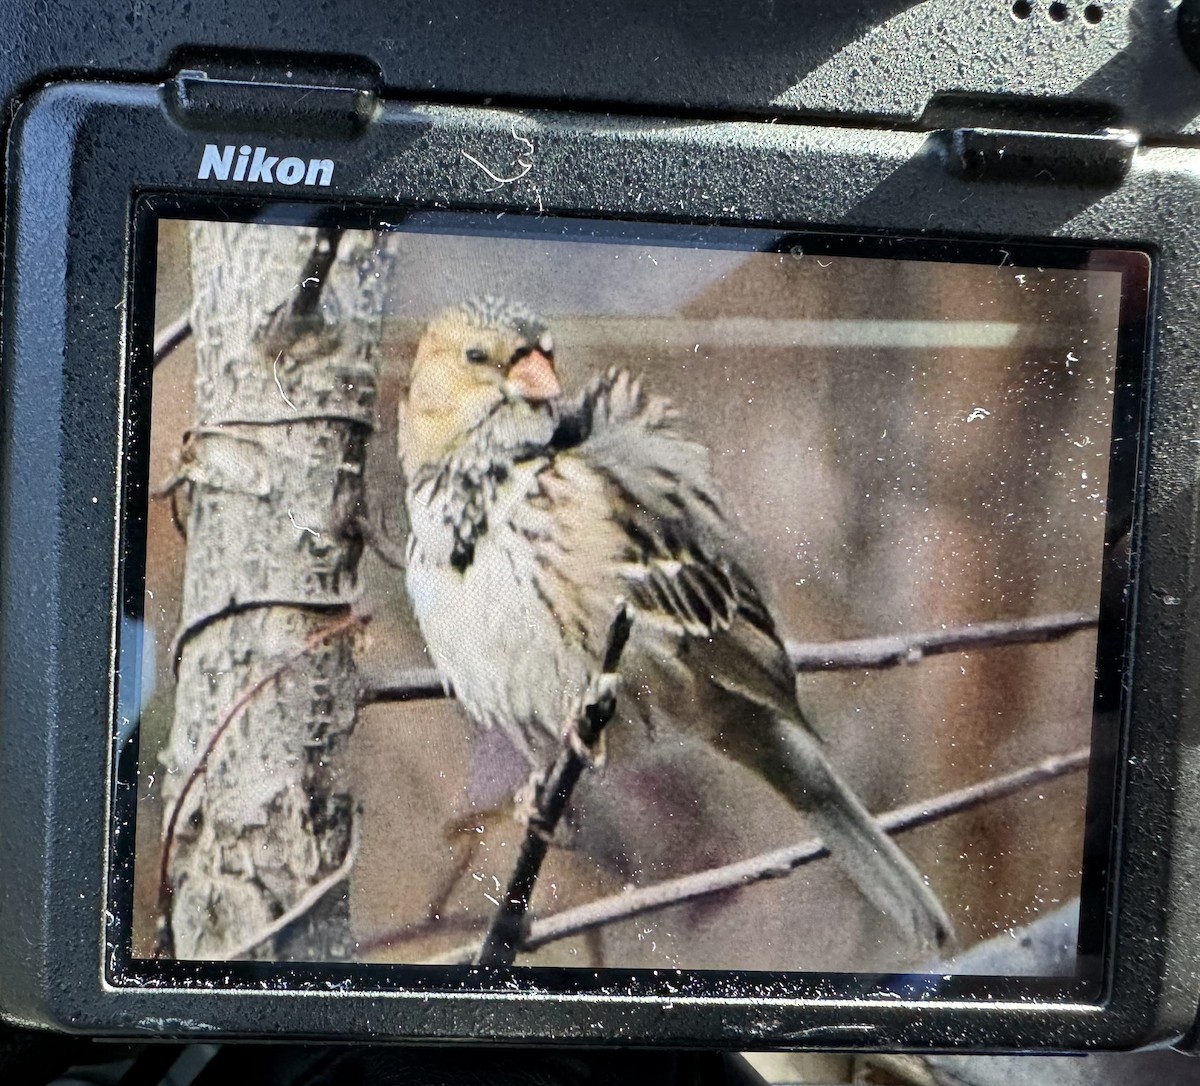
(1112, 661)
(80, 153)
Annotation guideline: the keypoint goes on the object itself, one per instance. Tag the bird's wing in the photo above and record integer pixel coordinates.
(678, 553)
(679, 557)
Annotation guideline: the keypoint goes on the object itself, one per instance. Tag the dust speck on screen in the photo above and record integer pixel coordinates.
(570, 593)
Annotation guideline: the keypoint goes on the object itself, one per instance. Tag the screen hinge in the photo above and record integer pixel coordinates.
(1066, 158)
(305, 108)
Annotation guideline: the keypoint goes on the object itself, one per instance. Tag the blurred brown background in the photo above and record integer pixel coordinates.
(908, 445)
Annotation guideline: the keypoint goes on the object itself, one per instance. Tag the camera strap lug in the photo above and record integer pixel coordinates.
(996, 154)
(198, 100)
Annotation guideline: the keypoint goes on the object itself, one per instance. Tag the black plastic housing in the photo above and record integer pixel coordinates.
(81, 153)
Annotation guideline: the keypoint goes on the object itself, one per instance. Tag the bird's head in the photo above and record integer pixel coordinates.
(471, 359)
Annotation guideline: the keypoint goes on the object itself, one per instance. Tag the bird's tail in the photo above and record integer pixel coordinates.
(888, 879)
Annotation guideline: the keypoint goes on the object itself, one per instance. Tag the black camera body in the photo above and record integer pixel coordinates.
(1029, 136)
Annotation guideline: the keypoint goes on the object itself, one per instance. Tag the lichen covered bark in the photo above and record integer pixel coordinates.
(287, 323)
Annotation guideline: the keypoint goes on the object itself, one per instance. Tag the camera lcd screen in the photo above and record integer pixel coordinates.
(777, 540)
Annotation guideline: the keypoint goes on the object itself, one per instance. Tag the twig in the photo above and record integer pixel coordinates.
(171, 337)
(312, 278)
(308, 902)
(868, 652)
(775, 864)
(551, 796)
(878, 652)
(411, 684)
(165, 889)
(295, 317)
(414, 684)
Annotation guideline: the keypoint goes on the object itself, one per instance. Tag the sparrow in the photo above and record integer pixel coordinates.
(533, 515)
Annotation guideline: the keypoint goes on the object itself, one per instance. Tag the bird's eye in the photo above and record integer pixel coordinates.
(476, 355)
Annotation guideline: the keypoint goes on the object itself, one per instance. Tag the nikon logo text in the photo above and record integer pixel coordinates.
(252, 165)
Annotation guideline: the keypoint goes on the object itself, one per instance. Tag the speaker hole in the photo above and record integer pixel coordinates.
(1058, 12)
(1022, 9)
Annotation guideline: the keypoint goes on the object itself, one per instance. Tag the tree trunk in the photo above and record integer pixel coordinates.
(259, 829)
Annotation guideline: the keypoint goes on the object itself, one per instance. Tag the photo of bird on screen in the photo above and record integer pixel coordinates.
(534, 515)
(585, 596)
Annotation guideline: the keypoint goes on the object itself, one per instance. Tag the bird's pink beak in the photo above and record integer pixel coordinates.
(534, 377)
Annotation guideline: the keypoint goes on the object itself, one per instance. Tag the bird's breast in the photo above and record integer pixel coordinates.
(493, 608)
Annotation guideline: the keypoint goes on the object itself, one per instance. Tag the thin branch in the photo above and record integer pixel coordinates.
(171, 337)
(306, 904)
(581, 738)
(165, 889)
(299, 314)
(770, 865)
(312, 277)
(413, 684)
(879, 652)
(416, 684)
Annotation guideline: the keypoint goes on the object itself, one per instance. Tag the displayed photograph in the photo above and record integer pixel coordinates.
(562, 593)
